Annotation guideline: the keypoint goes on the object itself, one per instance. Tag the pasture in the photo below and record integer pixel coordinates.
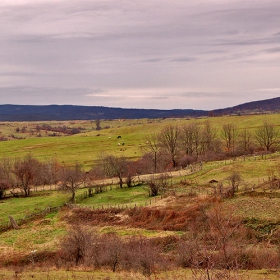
(85, 147)
(127, 212)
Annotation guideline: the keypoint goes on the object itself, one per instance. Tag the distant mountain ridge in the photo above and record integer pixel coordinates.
(73, 112)
(10, 112)
(267, 105)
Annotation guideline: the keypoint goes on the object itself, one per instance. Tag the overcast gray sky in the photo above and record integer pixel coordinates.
(163, 54)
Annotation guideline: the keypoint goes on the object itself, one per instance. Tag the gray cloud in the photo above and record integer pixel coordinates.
(273, 50)
(184, 59)
(148, 54)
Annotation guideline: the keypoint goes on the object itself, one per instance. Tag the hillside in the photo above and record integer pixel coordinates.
(260, 106)
(71, 112)
(216, 218)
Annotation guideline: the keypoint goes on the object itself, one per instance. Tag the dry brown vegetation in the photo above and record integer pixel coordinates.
(208, 236)
(211, 228)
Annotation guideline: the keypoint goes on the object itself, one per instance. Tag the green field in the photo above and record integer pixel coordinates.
(256, 203)
(86, 146)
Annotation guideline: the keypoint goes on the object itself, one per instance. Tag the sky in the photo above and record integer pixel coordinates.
(152, 54)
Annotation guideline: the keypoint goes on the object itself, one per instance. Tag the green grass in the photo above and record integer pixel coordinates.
(85, 147)
(38, 235)
(19, 208)
(254, 170)
(115, 197)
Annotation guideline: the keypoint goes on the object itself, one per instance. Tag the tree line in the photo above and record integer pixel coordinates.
(173, 147)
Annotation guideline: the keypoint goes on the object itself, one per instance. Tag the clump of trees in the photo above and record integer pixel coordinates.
(20, 175)
(88, 248)
(175, 146)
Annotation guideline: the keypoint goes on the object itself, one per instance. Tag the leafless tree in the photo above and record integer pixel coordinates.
(191, 139)
(115, 167)
(210, 143)
(169, 141)
(234, 179)
(71, 179)
(6, 166)
(76, 245)
(51, 171)
(245, 140)
(4, 185)
(113, 248)
(156, 186)
(26, 170)
(7, 181)
(266, 135)
(147, 256)
(223, 226)
(97, 124)
(230, 134)
(153, 150)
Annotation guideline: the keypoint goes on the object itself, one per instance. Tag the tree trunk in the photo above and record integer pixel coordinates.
(121, 181)
(13, 223)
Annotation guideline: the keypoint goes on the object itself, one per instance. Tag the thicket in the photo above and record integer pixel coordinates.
(211, 239)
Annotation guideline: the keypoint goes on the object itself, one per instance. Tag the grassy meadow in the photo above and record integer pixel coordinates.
(85, 147)
(256, 204)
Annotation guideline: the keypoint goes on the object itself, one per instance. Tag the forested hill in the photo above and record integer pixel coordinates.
(268, 105)
(72, 112)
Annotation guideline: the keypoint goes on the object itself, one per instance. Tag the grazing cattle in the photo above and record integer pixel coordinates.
(123, 144)
(119, 144)
(119, 137)
(109, 137)
(213, 181)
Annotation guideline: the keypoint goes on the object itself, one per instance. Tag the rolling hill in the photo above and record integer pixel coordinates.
(10, 112)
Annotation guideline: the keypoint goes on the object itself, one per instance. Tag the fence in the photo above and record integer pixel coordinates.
(28, 218)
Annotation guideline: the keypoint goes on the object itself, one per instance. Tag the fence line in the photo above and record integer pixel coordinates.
(28, 218)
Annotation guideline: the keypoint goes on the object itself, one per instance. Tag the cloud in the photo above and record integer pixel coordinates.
(153, 54)
(273, 50)
(184, 59)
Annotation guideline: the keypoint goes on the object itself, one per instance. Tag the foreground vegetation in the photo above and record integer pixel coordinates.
(204, 215)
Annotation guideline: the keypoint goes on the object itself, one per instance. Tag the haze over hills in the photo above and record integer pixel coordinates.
(71, 112)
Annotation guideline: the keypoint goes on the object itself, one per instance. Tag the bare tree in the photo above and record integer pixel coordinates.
(114, 250)
(115, 167)
(4, 185)
(26, 170)
(169, 141)
(155, 186)
(71, 179)
(266, 135)
(153, 150)
(97, 124)
(76, 245)
(230, 134)
(223, 226)
(6, 179)
(191, 138)
(6, 166)
(234, 179)
(209, 137)
(245, 140)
